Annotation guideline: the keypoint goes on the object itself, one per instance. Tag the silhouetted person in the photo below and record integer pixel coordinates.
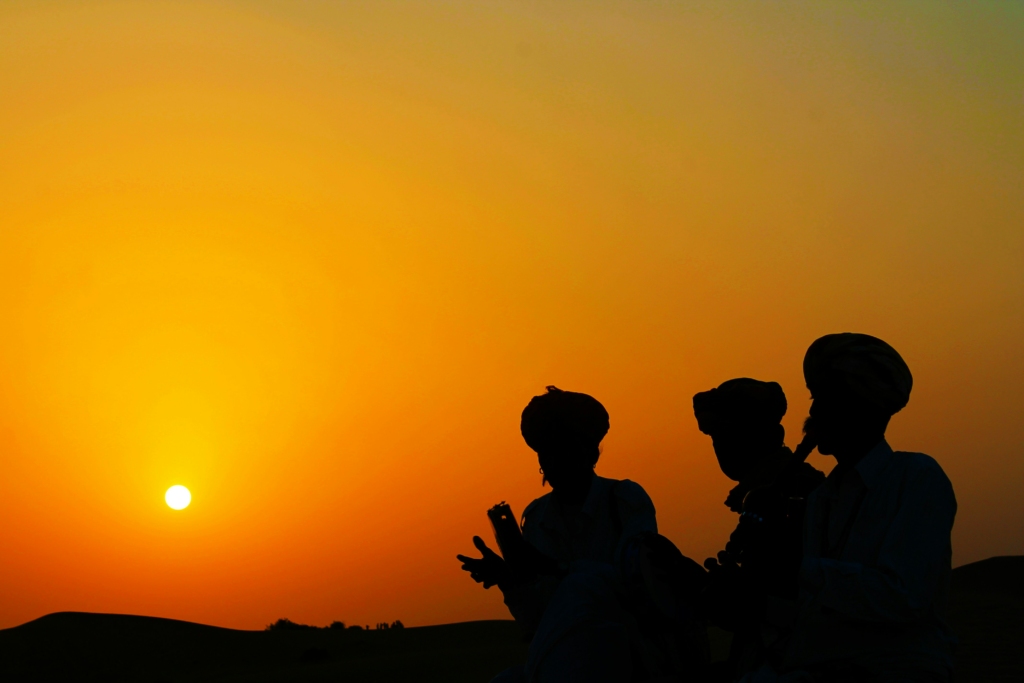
(584, 518)
(752, 586)
(576, 534)
(875, 573)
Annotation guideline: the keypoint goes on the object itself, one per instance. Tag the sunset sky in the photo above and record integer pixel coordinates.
(311, 260)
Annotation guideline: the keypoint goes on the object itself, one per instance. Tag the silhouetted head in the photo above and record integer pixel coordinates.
(857, 383)
(565, 429)
(743, 418)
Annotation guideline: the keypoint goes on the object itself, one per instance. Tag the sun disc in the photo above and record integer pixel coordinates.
(178, 497)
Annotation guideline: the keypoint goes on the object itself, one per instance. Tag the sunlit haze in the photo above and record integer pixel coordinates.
(314, 258)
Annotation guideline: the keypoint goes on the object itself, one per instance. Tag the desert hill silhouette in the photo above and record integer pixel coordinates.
(986, 613)
(113, 647)
(1003, 575)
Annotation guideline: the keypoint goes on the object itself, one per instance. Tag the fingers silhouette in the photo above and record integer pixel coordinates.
(482, 547)
(484, 569)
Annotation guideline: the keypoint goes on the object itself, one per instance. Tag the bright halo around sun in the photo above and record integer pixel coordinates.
(178, 497)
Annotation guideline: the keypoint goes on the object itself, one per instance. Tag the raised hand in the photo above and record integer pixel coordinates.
(490, 570)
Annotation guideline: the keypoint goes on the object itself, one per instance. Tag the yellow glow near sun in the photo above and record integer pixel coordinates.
(178, 497)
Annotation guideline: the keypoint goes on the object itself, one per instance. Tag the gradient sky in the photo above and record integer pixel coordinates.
(312, 259)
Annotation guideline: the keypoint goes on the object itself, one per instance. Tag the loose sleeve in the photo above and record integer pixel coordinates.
(635, 510)
(913, 561)
(526, 601)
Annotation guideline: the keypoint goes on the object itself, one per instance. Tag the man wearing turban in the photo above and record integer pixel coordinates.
(755, 577)
(875, 573)
(576, 536)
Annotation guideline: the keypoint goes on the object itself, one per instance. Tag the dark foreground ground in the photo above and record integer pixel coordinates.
(987, 613)
(107, 647)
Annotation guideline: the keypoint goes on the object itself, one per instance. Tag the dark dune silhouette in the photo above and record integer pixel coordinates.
(986, 612)
(110, 647)
(1003, 575)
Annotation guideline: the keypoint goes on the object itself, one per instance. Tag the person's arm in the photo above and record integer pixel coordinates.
(635, 512)
(913, 560)
(527, 600)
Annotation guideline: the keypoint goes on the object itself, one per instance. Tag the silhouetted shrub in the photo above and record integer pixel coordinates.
(288, 625)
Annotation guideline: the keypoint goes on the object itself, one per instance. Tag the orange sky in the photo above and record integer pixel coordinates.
(312, 259)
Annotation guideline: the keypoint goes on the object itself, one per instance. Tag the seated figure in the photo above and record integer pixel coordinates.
(568, 597)
(752, 586)
(875, 573)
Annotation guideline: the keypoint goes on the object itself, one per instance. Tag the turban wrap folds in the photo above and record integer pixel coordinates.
(564, 419)
(739, 400)
(866, 365)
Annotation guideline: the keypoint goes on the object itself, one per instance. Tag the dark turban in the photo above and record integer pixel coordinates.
(564, 419)
(742, 400)
(866, 365)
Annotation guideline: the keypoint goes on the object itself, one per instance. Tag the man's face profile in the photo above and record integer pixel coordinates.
(735, 452)
(842, 421)
(563, 466)
(828, 420)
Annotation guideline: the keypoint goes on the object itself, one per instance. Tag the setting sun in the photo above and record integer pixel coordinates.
(178, 497)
